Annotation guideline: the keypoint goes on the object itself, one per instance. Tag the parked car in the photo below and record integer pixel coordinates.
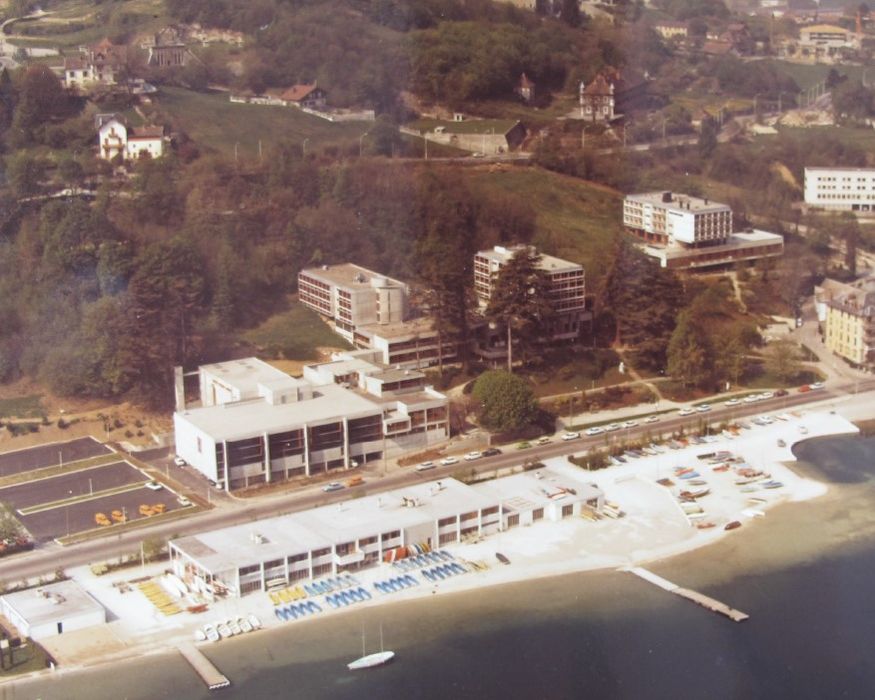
(471, 456)
(425, 466)
(766, 395)
(804, 388)
(524, 445)
(355, 481)
(491, 452)
(179, 461)
(447, 461)
(611, 427)
(630, 423)
(733, 402)
(817, 385)
(686, 412)
(651, 419)
(703, 408)
(595, 430)
(570, 436)
(332, 486)
(183, 501)
(781, 392)
(153, 486)
(543, 440)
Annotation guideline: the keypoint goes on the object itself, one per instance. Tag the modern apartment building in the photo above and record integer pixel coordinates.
(840, 189)
(352, 296)
(686, 232)
(566, 284)
(847, 316)
(256, 424)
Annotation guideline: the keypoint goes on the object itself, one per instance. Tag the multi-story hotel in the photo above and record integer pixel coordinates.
(362, 532)
(847, 316)
(256, 424)
(566, 286)
(686, 232)
(840, 189)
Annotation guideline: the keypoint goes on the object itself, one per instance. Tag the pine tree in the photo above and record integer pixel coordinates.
(689, 355)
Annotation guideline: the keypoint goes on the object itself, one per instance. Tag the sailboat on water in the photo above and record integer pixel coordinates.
(371, 660)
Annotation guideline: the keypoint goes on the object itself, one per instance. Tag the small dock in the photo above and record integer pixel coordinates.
(204, 667)
(698, 598)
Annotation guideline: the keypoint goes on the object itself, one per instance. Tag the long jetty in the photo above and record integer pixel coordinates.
(204, 667)
(695, 596)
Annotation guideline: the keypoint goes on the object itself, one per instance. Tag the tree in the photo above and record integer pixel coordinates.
(520, 301)
(569, 12)
(506, 401)
(689, 354)
(40, 98)
(708, 137)
(782, 360)
(641, 301)
(24, 172)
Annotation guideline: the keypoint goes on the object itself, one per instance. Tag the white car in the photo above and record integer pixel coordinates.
(630, 423)
(686, 412)
(179, 461)
(447, 461)
(611, 427)
(183, 501)
(153, 486)
(595, 430)
(471, 456)
(753, 398)
(733, 402)
(817, 385)
(332, 486)
(570, 436)
(425, 466)
(703, 408)
(766, 395)
(543, 440)
(651, 419)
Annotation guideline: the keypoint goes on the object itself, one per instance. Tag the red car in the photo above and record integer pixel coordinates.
(804, 388)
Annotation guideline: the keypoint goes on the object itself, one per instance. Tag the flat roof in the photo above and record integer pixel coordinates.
(696, 204)
(548, 263)
(247, 373)
(397, 375)
(52, 602)
(318, 528)
(349, 275)
(537, 488)
(242, 419)
(839, 167)
(400, 329)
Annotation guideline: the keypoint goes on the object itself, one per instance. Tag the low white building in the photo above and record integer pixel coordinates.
(51, 610)
(362, 532)
(257, 424)
(840, 189)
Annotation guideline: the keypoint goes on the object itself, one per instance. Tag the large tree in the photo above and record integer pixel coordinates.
(642, 301)
(689, 353)
(506, 401)
(520, 301)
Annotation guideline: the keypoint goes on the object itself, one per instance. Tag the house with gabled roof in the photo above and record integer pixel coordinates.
(98, 64)
(307, 95)
(116, 138)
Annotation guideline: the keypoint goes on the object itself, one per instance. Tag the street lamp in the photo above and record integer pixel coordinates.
(361, 142)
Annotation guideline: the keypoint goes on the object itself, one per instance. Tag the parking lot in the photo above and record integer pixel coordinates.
(64, 486)
(54, 454)
(79, 517)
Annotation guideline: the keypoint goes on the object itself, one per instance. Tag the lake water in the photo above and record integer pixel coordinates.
(805, 574)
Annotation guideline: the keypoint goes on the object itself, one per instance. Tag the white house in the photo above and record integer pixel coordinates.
(116, 138)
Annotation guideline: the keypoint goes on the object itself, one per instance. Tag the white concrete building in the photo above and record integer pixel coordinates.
(361, 532)
(51, 610)
(686, 232)
(257, 424)
(840, 189)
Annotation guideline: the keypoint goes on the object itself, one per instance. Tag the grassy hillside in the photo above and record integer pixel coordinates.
(575, 220)
(213, 121)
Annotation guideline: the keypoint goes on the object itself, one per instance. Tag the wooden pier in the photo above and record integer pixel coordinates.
(696, 597)
(204, 667)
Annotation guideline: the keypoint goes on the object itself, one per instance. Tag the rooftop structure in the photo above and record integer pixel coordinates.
(361, 532)
(52, 609)
(257, 424)
(840, 189)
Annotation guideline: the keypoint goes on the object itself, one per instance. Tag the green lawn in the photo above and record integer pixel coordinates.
(213, 121)
(807, 75)
(576, 220)
(294, 335)
(29, 406)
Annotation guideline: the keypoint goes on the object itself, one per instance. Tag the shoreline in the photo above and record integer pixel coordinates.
(548, 550)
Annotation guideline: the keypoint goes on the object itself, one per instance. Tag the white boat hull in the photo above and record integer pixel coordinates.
(371, 660)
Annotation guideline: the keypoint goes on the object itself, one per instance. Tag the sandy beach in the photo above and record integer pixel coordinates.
(654, 527)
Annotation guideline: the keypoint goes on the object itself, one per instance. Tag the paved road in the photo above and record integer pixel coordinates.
(51, 557)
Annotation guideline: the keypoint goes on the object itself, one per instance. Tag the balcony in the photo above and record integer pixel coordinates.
(353, 557)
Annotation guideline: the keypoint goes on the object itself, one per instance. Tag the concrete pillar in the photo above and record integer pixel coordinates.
(266, 458)
(346, 443)
(307, 457)
(227, 466)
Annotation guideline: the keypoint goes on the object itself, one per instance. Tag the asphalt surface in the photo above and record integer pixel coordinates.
(65, 486)
(50, 455)
(51, 557)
